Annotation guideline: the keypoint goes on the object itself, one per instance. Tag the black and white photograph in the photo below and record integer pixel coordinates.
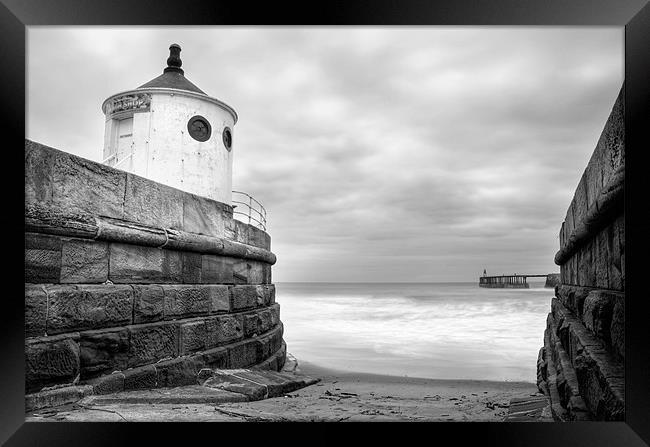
(324, 224)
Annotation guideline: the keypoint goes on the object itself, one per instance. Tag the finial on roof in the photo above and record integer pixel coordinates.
(174, 60)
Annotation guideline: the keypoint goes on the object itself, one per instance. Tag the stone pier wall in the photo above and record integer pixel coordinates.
(581, 366)
(132, 284)
(552, 280)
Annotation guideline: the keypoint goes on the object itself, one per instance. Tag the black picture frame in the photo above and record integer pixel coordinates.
(15, 15)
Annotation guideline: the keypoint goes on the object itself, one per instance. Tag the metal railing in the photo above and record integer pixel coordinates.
(118, 162)
(253, 215)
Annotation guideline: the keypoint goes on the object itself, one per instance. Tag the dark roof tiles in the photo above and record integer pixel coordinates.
(172, 79)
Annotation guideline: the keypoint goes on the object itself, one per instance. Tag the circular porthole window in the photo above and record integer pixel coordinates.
(199, 128)
(227, 138)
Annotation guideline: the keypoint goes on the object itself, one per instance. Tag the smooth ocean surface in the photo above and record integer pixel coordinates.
(431, 330)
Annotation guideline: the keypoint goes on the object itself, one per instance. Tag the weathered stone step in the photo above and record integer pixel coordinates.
(224, 386)
(257, 384)
(229, 385)
(529, 409)
(192, 394)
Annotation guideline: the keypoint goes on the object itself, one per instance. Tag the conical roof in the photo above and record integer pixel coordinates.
(173, 75)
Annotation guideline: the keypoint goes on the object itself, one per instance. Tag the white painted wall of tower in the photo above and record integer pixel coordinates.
(161, 148)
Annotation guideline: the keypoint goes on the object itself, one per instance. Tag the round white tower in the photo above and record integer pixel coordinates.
(170, 131)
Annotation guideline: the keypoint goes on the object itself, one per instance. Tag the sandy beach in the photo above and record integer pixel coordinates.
(338, 396)
(343, 396)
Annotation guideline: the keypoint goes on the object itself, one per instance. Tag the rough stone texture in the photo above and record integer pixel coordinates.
(56, 397)
(43, 218)
(223, 329)
(147, 303)
(75, 308)
(249, 234)
(153, 203)
(42, 258)
(569, 221)
(128, 232)
(245, 297)
(591, 280)
(35, 310)
(269, 343)
(597, 315)
(192, 337)
(602, 261)
(152, 342)
(542, 368)
(275, 314)
(192, 268)
(216, 358)
(606, 402)
(615, 249)
(89, 226)
(256, 384)
(257, 273)
(240, 231)
(580, 202)
(264, 347)
(234, 383)
(586, 271)
(144, 377)
(217, 269)
(259, 238)
(219, 298)
(617, 328)
(574, 270)
(598, 377)
(251, 272)
(242, 354)
(178, 372)
(108, 384)
(257, 323)
(204, 216)
(552, 280)
(276, 338)
(269, 294)
(38, 172)
(567, 382)
(270, 364)
(84, 261)
(581, 364)
(182, 301)
(621, 242)
(51, 361)
(573, 297)
(144, 265)
(204, 373)
(599, 261)
(72, 182)
(103, 351)
(281, 356)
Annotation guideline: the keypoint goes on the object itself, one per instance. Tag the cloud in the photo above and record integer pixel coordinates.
(381, 154)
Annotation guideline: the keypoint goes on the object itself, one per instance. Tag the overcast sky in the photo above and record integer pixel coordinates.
(380, 153)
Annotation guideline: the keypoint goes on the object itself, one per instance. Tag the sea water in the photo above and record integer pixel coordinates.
(431, 330)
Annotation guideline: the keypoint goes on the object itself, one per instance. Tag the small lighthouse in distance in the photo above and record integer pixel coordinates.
(169, 131)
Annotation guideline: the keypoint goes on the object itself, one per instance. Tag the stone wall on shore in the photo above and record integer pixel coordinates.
(133, 284)
(581, 365)
(552, 280)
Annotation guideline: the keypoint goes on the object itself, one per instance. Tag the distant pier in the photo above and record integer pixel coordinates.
(508, 281)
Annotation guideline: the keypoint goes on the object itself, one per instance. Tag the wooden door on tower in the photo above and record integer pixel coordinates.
(124, 140)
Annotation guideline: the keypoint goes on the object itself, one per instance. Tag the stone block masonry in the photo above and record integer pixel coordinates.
(131, 284)
(581, 365)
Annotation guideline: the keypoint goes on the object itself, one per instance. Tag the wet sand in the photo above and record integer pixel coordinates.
(339, 396)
